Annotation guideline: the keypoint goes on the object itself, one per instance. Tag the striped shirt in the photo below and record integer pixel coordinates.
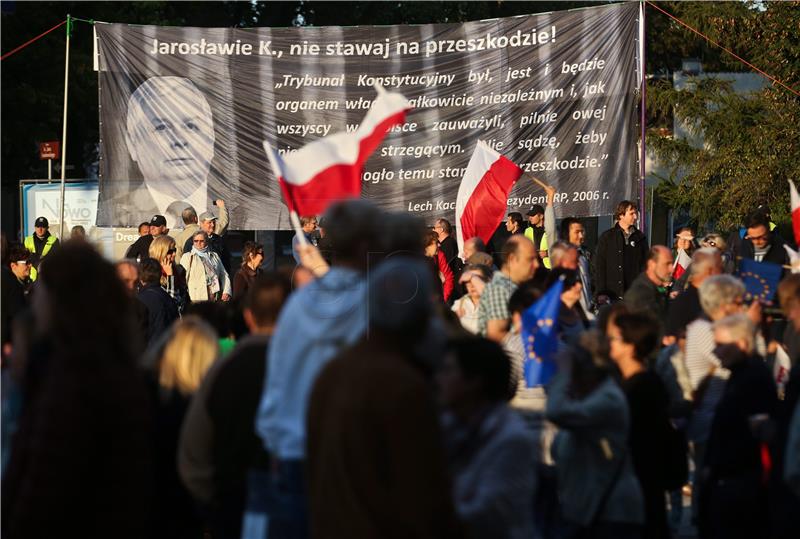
(700, 363)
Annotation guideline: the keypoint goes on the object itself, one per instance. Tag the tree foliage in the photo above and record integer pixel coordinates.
(751, 143)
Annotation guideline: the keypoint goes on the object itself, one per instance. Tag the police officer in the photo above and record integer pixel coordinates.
(40, 244)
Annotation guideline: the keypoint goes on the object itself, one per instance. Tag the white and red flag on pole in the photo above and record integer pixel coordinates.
(682, 261)
(483, 194)
(795, 198)
(330, 168)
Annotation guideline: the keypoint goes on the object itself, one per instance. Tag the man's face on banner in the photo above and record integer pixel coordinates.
(170, 131)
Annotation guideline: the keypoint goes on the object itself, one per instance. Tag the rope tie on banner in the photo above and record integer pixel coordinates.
(6, 55)
(742, 60)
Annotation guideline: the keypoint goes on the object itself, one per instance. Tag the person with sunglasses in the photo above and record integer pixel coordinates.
(760, 243)
(173, 276)
(716, 241)
(205, 275)
(252, 258)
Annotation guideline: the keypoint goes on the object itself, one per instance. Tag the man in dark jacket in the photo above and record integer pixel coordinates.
(685, 308)
(621, 252)
(162, 309)
(760, 243)
(141, 247)
(648, 292)
(449, 246)
(360, 467)
(16, 284)
(218, 444)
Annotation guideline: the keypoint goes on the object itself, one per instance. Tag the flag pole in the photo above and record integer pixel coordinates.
(642, 172)
(64, 129)
(540, 182)
(298, 228)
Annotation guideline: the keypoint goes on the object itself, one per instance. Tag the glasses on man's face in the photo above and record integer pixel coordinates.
(199, 241)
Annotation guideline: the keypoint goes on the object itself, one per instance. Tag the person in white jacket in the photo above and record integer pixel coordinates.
(205, 275)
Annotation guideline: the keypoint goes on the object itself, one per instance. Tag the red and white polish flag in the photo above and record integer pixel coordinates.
(682, 262)
(483, 194)
(795, 198)
(330, 168)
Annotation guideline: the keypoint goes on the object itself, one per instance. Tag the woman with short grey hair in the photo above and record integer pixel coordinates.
(720, 296)
(205, 275)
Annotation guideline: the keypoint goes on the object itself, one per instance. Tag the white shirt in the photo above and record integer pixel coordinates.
(198, 199)
(470, 319)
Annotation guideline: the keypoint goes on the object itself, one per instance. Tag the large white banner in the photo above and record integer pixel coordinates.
(184, 111)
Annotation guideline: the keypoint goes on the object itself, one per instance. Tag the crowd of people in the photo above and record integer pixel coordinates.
(376, 388)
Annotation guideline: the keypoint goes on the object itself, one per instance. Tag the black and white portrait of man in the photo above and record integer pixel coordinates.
(170, 149)
(170, 136)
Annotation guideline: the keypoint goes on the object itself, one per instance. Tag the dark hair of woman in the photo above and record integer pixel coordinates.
(640, 330)
(249, 250)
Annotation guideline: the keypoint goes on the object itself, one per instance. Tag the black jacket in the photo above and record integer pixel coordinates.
(449, 247)
(617, 264)
(140, 248)
(161, 308)
(776, 254)
(683, 310)
(645, 296)
(232, 405)
(14, 300)
(733, 448)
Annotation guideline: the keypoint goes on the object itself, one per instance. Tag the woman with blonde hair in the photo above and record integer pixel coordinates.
(205, 275)
(189, 352)
(173, 276)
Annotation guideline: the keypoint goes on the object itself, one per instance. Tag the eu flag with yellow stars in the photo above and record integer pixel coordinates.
(760, 279)
(540, 336)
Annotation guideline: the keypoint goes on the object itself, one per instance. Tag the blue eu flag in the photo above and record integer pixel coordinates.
(760, 279)
(540, 336)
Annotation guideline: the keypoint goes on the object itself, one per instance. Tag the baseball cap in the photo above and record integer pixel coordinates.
(535, 210)
(41, 221)
(158, 220)
(207, 216)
